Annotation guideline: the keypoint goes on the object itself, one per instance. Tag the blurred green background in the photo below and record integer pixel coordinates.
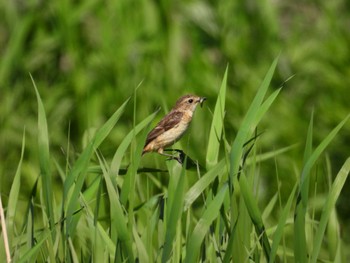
(88, 57)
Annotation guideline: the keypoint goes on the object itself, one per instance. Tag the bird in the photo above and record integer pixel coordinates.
(172, 127)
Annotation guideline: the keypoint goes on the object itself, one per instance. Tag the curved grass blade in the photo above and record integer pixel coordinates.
(281, 223)
(247, 124)
(198, 188)
(44, 160)
(118, 218)
(300, 210)
(108, 244)
(100, 135)
(300, 247)
(129, 180)
(79, 169)
(328, 208)
(315, 155)
(265, 106)
(269, 207)
(216, 126)
(202, 227)
(254, 214)
(27, 257)
(268, 155)
(175, 209)
(119, 154)
(14, 193)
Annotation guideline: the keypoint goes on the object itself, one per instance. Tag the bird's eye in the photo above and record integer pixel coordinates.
(190, 100)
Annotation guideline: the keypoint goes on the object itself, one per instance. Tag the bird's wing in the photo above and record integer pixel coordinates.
(168, 122)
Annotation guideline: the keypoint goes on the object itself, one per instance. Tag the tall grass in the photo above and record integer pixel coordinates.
(101, 214)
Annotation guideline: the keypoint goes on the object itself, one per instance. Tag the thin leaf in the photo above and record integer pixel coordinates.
(95, 142)
(129, 179)
(202, 227)
(329, 207)
(14, 193)
(248, 125)
(44, 159)
(175, 208)
(299, 229)
(27, 257)
(79, 169)
(118, 218)
(203, 183)
(300, 247)
(254, 214)
(250, 117)
(280, 227)
(216, 126)
(119, 154)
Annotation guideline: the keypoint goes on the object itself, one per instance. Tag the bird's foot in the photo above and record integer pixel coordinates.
(177, 158)
(180, 158)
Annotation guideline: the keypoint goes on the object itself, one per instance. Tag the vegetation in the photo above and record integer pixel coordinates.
(81, 85)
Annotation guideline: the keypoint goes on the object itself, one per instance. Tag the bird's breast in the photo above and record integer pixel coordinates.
(172, 135)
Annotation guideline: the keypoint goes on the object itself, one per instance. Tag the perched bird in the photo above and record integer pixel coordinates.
(171, 128)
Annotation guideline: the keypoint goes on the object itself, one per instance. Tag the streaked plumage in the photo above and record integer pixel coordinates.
(172, 127)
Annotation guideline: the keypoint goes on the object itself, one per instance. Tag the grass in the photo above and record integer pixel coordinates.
(123, 218)
(82, 83)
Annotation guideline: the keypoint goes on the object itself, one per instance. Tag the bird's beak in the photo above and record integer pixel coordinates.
(201, 100)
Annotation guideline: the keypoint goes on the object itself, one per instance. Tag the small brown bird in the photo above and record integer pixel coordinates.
(171, 128)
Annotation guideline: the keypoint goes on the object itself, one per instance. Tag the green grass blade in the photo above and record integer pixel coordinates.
(203, 183)
(129, 179)
(265, 106)
(73, 205)
(128, 193)
(108, 244)
(27, 257)
(216, 126)
(329, 207)
(280, 227)
(299, 228)
(333, 235)
(230, 244)
(44, 159)
(255, 214)
(308, 143)
(118, 218)
(175, 208)
(202, 227)
(246, 126)
(79, 169)
(100, 135)
(73, 253)
(14, 193)
(270, 206)
(300, 247)
(119, 154)
(268, 155)
(140, 246)
(304, 184)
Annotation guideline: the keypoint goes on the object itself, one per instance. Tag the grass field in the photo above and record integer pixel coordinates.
(83, 82)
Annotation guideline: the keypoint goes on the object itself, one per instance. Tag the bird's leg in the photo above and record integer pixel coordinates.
(171, 157)
(181, 157)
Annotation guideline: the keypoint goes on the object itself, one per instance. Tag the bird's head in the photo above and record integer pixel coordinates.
(189, 102)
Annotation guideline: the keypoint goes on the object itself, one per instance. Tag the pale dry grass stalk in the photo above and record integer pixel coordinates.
(4, 231)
